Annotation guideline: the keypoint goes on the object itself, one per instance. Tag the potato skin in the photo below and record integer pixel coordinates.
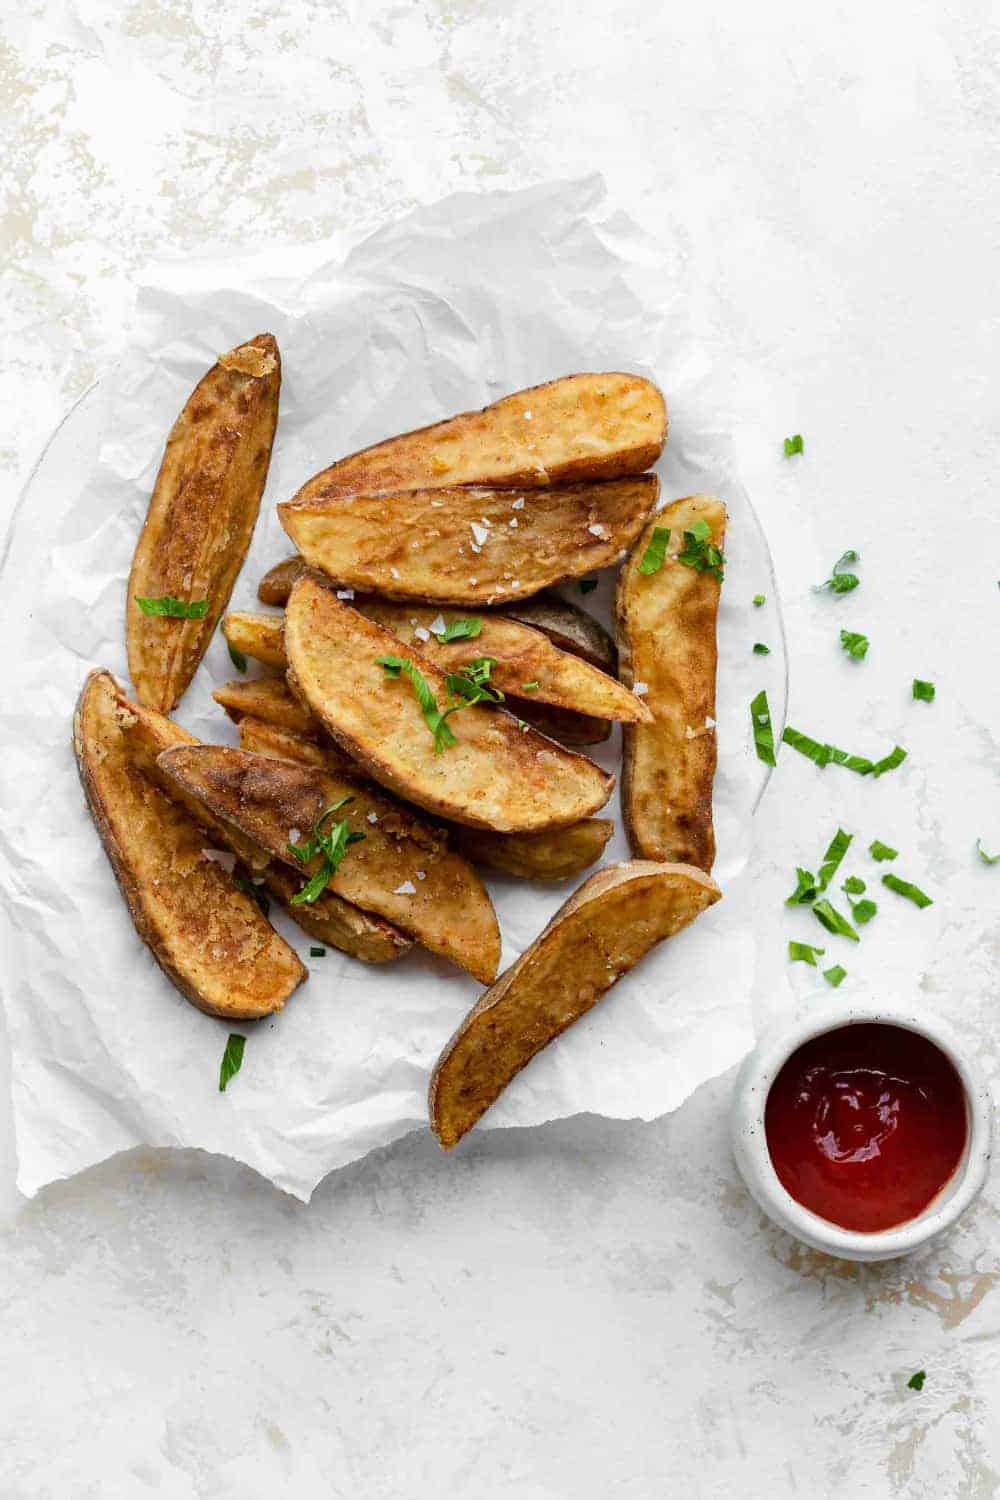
(496, 776)
(667, 639)
(601, 932)
(209, 938)
(458, 546)
(579, 427)
(201, 515)
(568, 627)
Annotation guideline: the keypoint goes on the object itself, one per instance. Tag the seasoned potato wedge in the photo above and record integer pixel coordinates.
(201, 516)
(553, 854)
(593, 426)
(330, 919)
(495, 776)
(402, 871)
(459, 546)
(266, 698)
(600, 933)
(666, 638)
(276, 584)
(569, 628)
(525, 660)
(209, 938)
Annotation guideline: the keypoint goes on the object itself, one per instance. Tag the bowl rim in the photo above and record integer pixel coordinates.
(761, 1068)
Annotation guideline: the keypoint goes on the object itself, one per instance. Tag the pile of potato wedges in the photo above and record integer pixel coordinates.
(419, 710)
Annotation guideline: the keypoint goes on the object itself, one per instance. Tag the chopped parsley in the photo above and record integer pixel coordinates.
(863, 911)
(838, 847)
(889, 762)
(923, 692)
(763, 733)
(232, 1059)
(804, 953)
(908, 889)
(853, 885)
(987, 859)
(830, 918)
(916, 1380)
(806, 889)
(835, 975)
(878, 850)
(332, 843)
(470, 685)
(237, 658)
(173, 609)
(759, 599)
(529, 687)
(434, 718)
(759, 649)
(460, 630)
(840, 581)
(794, 445)
(587, 585)
(855, 644)
(822, 754)
(652, 558)
(699, 552)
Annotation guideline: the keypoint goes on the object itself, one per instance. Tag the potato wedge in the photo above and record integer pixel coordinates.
(562, 724)
(666, 638)
(209, 938)
(553, 854)
(403, 870)
(276, 584)
(600, 933)
(330, 919)
(569, 628)
(592, 426)
(495, 776)
(459, 546)
(525, 658)
(267, 698)
(201, 516)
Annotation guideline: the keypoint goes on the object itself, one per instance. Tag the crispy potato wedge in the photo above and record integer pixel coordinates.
(267, 698)
(276, 584)
(562, 724)
(569, 628)
(600, 933)
(208, 937)
(592, 426)
(403, 870)
(553, 854)
(524, 657)
(496, 776)
(330, 919)
(201, 516)
(666, 638)
(458, 546)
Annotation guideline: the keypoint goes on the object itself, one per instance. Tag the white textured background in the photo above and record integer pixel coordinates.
(588, 1309)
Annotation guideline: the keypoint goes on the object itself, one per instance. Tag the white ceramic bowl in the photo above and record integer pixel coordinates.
(753, 1084)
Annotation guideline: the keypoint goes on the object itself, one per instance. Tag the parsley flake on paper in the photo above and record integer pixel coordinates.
(232, 1059)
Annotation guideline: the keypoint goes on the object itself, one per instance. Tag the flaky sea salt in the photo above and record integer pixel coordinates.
(480, 533)
(345, 593)
(438, 626)
(372, 817)
(596, 529)
(640, 689)
(406, 889)
(422, 634)
(517, 504)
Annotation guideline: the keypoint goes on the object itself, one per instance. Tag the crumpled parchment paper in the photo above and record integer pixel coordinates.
(445, 310)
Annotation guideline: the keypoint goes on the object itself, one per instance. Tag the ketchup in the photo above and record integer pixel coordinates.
(866, 1124)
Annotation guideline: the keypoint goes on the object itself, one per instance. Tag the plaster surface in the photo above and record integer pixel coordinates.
(591, 1308)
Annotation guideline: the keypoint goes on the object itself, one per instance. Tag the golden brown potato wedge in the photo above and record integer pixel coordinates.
(201, 516)
(495, 776)
(666, 639)
(600, 933)
(569, 628)
(267, 698)
(525, 660)
(330, 919)
(403, 869)
(553, 854)
(460, 546)
(209, 938)
(592, 426)
(276, 584)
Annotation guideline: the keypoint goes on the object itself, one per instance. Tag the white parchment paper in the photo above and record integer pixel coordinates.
(443, 311)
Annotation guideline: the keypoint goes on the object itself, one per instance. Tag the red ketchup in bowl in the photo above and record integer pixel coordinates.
(866, 1124)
